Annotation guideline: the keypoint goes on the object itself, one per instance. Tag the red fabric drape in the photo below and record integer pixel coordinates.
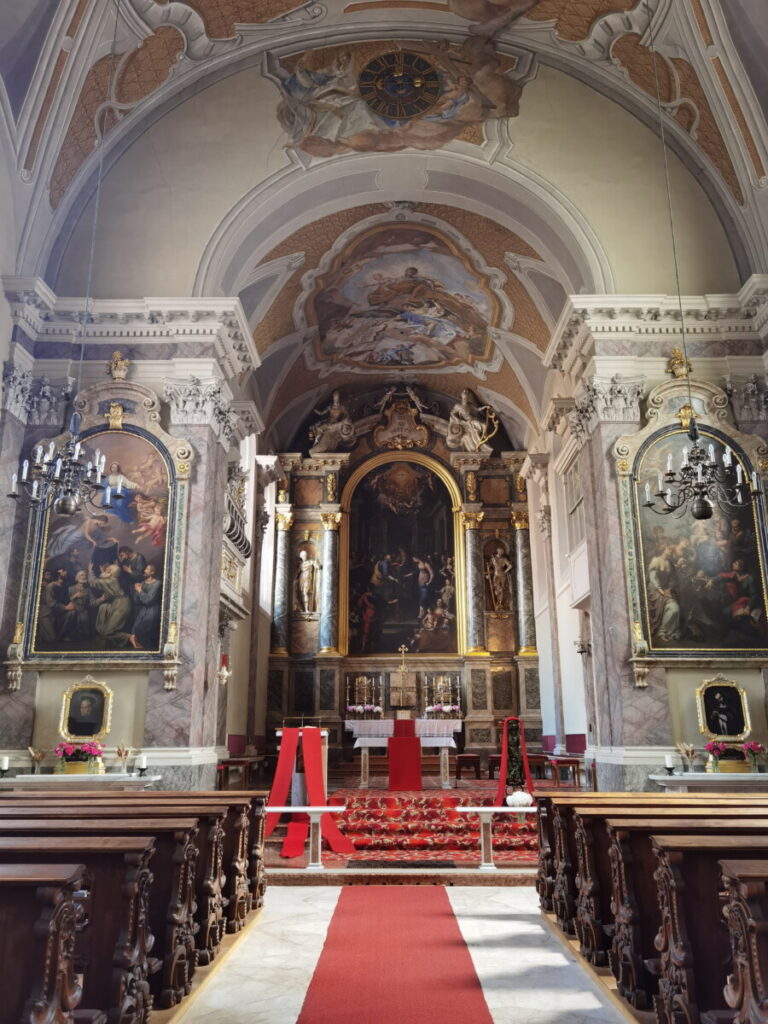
(281, 784)
(312, 745)
(405, 727)
(404, 759)
(501, 789)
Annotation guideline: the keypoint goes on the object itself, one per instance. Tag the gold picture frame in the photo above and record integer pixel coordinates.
(723, 710)
(86, 711)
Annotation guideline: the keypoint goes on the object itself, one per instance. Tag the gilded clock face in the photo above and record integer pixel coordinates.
(399, 85)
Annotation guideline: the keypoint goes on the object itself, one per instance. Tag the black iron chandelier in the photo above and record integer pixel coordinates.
(700, 482)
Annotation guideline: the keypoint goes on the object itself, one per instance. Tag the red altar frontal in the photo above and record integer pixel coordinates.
(404, 740)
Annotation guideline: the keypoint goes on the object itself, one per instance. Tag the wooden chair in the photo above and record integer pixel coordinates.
(467, 761)
(494, 762)
(572, 767)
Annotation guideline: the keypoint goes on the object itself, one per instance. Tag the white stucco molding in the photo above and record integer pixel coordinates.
(43, 316)
(587, 319)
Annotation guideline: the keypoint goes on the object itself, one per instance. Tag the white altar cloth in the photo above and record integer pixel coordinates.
(385, 727)
(426, 741)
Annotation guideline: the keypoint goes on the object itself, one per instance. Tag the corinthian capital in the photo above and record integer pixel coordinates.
(544, 520)
(606, 400)
(201, 401)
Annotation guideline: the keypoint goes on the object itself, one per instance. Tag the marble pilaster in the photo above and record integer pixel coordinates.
(472, 516)
(544, 518)
(329, 582)
(526, 622)
(281, 601)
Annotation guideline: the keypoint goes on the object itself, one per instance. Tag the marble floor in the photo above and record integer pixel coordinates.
(528, 977)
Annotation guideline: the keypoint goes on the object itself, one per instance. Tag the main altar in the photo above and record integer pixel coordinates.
(432, 733)
(402, 531)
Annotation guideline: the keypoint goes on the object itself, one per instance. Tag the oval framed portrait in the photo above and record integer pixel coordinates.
(86, 711)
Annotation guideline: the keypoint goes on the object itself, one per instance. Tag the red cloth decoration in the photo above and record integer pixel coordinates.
(312, 745)
(296, 836)
(281, 784)
(501, 789)
(405, 727)
(404, 756)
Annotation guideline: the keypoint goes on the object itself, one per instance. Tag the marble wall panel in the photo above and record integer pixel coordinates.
(494, 490)
(18, 714)
(500, 633)
(533, 734)
(647, 718)
(532, 687)
(480, 736)
(504, 696)
(479, 688)
(328, 701)
(308, 491)
(304, 636)
(187, 776)
(168, 712)
(303, 692)
(275, 677)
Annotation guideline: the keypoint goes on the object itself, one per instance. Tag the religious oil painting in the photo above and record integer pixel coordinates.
(402, 577)
(101, 577)
(86, 711)
(402, 295)
(702, 582)
(723, 710)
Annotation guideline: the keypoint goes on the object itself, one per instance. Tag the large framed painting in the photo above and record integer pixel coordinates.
(402, 575)
(701, 583)
(102, 573)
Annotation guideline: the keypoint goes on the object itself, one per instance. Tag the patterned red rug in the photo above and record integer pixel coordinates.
(418, 822)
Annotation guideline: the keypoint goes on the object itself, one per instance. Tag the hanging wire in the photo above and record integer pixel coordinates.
(670, 210)
(102, 134)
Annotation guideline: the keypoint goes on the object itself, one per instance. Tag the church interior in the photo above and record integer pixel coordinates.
(384, 449)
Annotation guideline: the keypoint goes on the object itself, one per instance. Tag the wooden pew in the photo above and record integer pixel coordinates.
(256, 798)
(745, 909)
(221, 884)
(693, 946)
(593, 881)
(172, 895)
(558, 867)
(113, 952)
(545, 799)
(37, 941)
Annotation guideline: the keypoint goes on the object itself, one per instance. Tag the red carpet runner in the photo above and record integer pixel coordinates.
(394, 955)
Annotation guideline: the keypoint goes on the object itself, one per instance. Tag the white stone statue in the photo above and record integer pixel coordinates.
(471, 426)
(335, 431)
(305, 583)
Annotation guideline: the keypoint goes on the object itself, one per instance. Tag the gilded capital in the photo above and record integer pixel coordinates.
(520, 519)
(331, 520)
(284, 521)
(472, 520)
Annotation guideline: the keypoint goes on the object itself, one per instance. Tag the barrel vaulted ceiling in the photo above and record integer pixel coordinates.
(326, 293)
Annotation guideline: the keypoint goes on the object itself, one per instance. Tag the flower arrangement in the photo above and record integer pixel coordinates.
(751, 751)
(79, 751)
(364, 709)
(687, 751)
(716, 749)
(443, 709)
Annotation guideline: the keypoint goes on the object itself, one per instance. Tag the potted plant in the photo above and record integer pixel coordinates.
(715, 749)
(752, 751)
(79, 758)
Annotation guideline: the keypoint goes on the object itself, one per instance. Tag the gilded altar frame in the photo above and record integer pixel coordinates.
(445, 476)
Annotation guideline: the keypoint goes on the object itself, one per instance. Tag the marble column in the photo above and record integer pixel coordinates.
(476, 642)
(526, 623)
(329, 581)
(544, 518)
(282, 595)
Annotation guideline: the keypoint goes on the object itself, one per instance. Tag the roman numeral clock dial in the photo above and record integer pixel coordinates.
(399, 86)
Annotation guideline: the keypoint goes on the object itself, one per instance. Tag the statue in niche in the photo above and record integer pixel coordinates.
(305, 581)
(335, 431)
(471, 426)
(498, 572)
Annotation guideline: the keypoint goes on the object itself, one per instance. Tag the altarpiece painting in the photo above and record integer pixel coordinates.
(402, 577)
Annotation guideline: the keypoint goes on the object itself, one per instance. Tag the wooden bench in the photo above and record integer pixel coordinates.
(172, 895)
(113, 952)
(693, 947)
(745, 908)
(37, 943)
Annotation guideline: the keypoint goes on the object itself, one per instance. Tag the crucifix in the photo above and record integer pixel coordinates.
(402, 689)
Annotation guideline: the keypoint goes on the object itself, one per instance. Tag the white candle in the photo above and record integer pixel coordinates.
(141, 761)
(648, 492)
(38, 454)
(98, 475)
(4, 763)
(700, 472)
(25, 469)
(738, 472)
(34, 488)
(711, 453)
(97, 457)
(669, 760)
(103, 462)
(755, 484)
(668, 496)
(661, 483)
(669, 462)
(119, 485)
(51, 450)
(108, 496)
(685, 456)
(727, 457)
(77, 451)
(57, 469)
(14, 484)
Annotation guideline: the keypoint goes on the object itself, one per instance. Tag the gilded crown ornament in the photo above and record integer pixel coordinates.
(117, 367)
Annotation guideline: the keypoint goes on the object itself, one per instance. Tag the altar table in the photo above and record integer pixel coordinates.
(442, 743)
(385, 727)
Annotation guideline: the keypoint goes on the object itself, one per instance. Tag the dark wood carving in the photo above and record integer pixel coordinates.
(626, 958)
(563, 895)
(545, 872)
(589, 924)
(675, 1002)
(745, 909)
